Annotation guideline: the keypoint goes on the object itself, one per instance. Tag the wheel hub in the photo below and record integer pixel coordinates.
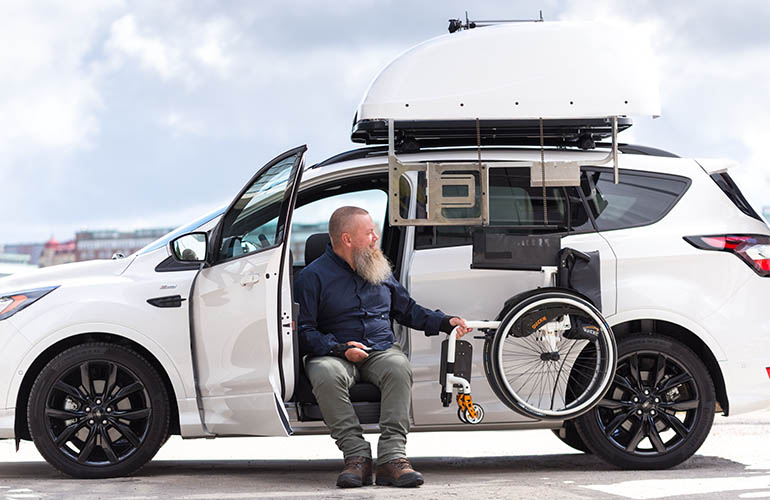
(646, 402)
(550, 356)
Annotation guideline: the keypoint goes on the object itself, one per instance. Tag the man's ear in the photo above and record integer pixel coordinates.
(346, 239)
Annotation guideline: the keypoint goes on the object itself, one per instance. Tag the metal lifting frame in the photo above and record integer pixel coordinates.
(463, 175)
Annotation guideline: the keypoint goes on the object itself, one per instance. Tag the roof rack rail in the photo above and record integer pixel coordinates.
(415, 134)
(353, 154)
(638, 149)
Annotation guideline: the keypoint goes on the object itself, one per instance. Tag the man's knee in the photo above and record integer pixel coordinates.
(398, 369)
(327, 371)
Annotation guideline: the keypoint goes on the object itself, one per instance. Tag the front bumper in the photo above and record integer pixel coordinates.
(13, 347)
(7, 417)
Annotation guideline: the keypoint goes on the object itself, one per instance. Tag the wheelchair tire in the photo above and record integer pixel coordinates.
(544, 371)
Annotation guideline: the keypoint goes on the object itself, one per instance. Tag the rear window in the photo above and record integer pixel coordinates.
(637, 200)
(729, 188)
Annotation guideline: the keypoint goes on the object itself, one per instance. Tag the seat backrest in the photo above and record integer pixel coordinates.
(315, 245)
(510, 205)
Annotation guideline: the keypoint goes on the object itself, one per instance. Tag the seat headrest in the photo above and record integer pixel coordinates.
(315, 245)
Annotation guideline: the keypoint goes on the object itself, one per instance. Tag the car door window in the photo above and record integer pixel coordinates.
(252, 224)
(637, 200)
(514, 204)
(313, 217)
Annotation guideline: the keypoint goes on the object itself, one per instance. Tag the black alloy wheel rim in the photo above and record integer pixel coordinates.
(652, 405)
(98, 413)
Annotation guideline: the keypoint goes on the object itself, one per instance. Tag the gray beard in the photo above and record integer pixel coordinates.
(371, 265)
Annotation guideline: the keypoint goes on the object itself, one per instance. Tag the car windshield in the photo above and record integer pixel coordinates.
(191, 226)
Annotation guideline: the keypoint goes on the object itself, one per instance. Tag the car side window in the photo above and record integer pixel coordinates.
(313, 217)
(252, 223)
(637, 200)
(514, 204)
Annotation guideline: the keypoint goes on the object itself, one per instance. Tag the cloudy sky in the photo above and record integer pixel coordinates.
(144, 114)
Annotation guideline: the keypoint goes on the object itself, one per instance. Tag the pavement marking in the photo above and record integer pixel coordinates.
(755, 494)
(662, 488)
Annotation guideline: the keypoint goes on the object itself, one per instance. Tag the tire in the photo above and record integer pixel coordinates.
(662, 427)
(554, 376)
(570, 436)
(98, 410)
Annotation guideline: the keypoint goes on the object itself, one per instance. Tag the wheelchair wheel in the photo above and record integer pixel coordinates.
(553, 356)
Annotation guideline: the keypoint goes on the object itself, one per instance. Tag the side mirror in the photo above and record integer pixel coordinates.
(190, 247)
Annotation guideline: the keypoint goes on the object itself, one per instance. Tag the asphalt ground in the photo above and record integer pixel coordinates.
(733, 463)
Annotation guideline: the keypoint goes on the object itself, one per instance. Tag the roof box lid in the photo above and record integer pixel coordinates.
(520, 71)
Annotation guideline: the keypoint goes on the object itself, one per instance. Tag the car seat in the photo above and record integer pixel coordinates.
(365, 396)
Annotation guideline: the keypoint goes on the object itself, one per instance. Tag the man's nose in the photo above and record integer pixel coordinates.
(375, 238)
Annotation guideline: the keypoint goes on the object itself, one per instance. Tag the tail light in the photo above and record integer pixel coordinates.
(753, 249)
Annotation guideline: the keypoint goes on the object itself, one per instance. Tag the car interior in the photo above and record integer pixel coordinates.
(365, 396)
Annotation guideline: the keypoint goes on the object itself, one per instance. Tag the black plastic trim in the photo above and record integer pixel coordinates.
(353, 154)
(413, 134)
(167, 301)
(733, 192)
(169, 264)
(637, 149)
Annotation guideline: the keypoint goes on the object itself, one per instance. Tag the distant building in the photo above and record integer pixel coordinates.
(11, 263)
(104, 244)
(55, 253)
(34, 250)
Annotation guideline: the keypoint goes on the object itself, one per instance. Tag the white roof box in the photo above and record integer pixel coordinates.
(519, 71)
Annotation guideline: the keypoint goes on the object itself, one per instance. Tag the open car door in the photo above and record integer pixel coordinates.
(241, 324)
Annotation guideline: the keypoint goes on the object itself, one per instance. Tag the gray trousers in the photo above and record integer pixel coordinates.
(332, 377)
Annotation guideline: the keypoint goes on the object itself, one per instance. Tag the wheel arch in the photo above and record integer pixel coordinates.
(21, 430)
(650, 326)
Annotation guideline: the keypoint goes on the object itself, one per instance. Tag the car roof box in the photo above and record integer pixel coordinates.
(499, 81)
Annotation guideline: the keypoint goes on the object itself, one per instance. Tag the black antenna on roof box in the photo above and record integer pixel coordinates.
(457, 24)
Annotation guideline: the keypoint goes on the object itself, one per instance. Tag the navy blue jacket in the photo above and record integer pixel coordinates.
(337, 305)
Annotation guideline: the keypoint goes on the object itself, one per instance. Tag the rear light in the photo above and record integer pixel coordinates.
(768, 371)
(753, 249)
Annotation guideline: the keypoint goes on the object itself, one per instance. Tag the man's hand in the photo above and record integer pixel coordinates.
(463, 327)
(357, 353)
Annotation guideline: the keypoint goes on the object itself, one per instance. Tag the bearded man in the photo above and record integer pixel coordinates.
(347, 298)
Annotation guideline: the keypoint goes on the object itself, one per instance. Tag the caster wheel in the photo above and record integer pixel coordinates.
(479, 415)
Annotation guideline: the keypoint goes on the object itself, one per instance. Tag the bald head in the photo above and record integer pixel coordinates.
(342, 221)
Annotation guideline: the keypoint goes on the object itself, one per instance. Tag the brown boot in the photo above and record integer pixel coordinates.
(398, 472)
(357, 472)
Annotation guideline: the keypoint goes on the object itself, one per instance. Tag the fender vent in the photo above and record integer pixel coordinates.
(169, 301)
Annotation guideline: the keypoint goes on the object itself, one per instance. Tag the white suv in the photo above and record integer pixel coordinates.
(194, 334)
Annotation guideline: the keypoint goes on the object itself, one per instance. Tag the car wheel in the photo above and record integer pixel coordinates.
(98, 410)
(659, 408)
(570, 436)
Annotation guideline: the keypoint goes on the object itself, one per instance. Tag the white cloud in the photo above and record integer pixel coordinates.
(152, 52)
(49, 94)
(214, 50)
(182, 124)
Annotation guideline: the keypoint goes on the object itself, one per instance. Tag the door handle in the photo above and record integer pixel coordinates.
(250, 279)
